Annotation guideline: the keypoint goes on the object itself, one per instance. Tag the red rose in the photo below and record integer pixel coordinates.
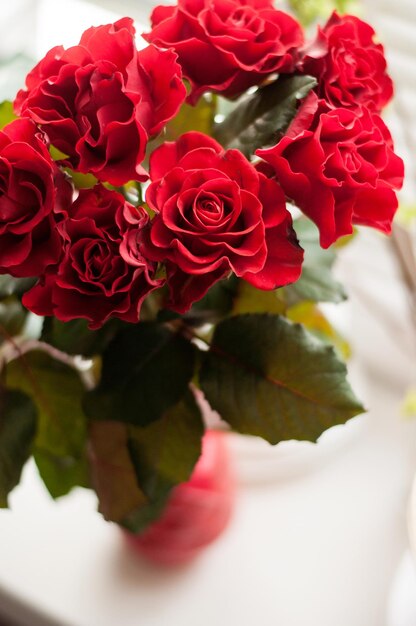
(93, 281)
(31, 189)
(100, 101)
(339, 168)
(216, 214)
(349, 65)
(227, 45)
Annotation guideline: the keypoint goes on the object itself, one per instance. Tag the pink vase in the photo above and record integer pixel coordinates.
(197, 512)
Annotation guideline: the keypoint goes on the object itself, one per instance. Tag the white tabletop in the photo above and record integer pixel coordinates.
(316, 550)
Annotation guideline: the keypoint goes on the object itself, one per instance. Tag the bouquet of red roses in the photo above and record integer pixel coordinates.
(148, 213)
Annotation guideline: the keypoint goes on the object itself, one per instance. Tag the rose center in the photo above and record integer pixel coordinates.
(208, 208)
(351, 161)
(97, 260)
(239, 18)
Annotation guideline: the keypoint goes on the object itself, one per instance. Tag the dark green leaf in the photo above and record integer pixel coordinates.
(75, 337)
(262, 118)
(317, 282)
(268, 377)
(164, 455)
(217, 302)
(17, 430)
(165, 452)
(57, 392)
(6, 113)
(166, 315)
(134, 469)
(146, 370)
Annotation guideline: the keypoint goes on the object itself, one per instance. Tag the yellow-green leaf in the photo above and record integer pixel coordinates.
(248, 299)
(311, 316)
(6, 113)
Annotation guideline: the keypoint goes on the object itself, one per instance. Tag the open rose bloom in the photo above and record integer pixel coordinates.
(174, 246)
(210, 212)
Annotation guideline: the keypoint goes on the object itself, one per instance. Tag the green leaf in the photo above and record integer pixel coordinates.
(166, 315)
(61, 473)
(134, 469)
(12, 318)
(216, 303)
(317, 282)
(112, 472)
(164, 454)
(57, 391)
(268, 377)
(75, 337)
(17, 430)
(6, 113)
(262, 117)
(146, 370)
(14, 286)
(318, 285)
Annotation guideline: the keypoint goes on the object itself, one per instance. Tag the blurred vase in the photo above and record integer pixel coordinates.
(197, 512)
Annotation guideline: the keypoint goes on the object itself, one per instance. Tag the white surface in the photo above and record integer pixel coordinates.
(52, 30)
(385, 339)
(402, 602)
(317, 551)
(258, 462)
(412, 519)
